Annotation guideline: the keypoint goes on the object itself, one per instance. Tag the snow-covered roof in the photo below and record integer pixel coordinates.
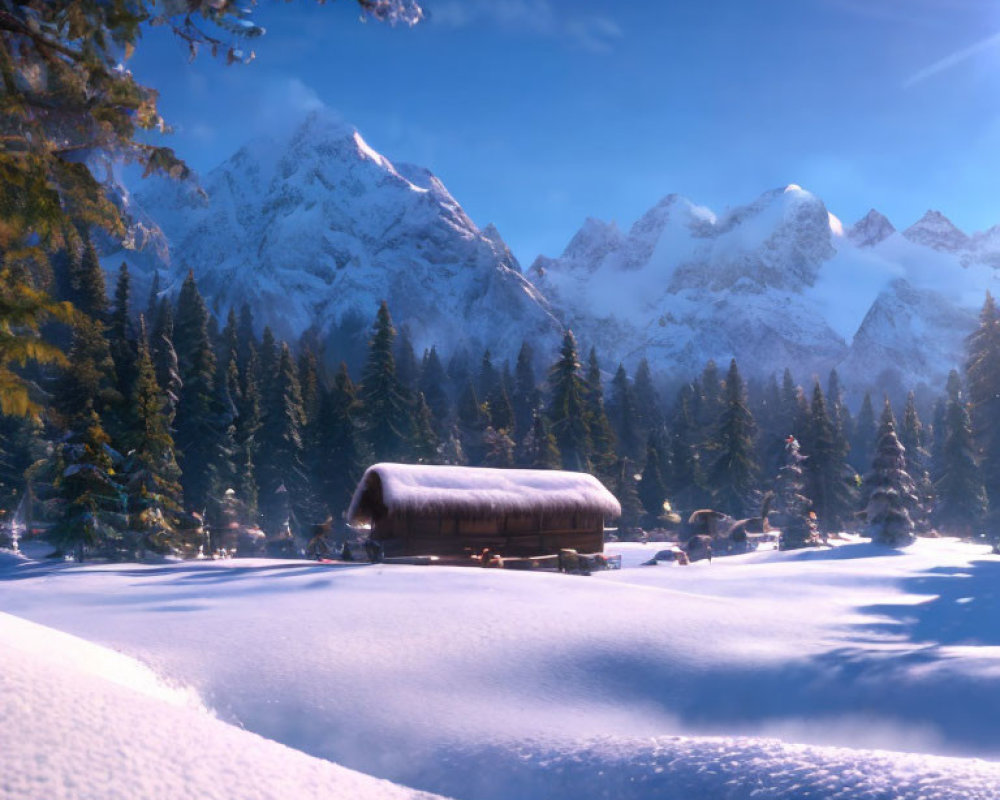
(478, 492)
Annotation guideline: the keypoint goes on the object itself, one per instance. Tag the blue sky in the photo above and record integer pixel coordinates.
(539, 113)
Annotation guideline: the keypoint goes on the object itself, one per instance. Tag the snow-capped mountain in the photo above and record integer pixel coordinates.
(872, 229)
(776, 283)
(313, 230)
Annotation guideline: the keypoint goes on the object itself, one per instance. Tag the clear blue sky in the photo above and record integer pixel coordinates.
(539, 113)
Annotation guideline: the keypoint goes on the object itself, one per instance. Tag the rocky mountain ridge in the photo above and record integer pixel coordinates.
(314, 229)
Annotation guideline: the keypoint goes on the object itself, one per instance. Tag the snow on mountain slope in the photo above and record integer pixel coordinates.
(684, 285)
(488, 685)
(776, 283)
(315, 229)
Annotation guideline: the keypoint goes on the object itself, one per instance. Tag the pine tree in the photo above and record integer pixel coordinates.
(602, 438)
(982, 370)
(281, 471)
(625, 489)
(623, 416)
(889, 489)
(385, 411)
(432, 385)
(87, 385)
(89, 291)
(652, 487)
(168, 371)
(648, 407)
(223, 468)
(407, 372)
(733, 473)
(472, 422)
(525, 397)
(340, 463)
(153, 302)
(911, 436)
(151, 477)
(309, 383)
(865, 433)
(247, 337)
(687, 486)
(425, 440)
(961, 496)
(567, 410)
(121, 341)
(829, 477)
(91, 504)
(195, 436)
(539, 450)
(488, 378)
(248, 424)
(712, 399)
(790, 509)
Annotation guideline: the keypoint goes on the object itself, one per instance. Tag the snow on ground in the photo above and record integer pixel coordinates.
(81, 721)
(747, 677)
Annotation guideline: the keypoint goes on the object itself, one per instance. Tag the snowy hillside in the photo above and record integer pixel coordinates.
(771, 675)
(776, 283)
(314, 229)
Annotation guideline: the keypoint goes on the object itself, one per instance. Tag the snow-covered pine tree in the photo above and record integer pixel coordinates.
(791, 508)
(911, 436)
(150, 475)
(90, 502)
(567, 410)
(890, 495)
(733, 474)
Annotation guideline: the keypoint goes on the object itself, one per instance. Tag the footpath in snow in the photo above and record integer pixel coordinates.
(771, 675)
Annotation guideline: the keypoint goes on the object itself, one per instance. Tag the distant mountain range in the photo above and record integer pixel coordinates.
(314, 229)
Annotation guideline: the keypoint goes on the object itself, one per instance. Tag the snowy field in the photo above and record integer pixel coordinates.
(856, 672)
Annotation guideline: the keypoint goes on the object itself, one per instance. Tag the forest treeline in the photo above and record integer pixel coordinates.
(167, 427)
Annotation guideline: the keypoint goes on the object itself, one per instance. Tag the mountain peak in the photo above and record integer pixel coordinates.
(936, 231)
(872, 229)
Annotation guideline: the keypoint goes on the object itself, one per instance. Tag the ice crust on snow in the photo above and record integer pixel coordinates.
(745, 678)
(474, 491)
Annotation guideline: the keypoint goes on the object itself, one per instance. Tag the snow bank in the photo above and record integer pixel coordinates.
(746, 677)
(80, 721)
(475, 491)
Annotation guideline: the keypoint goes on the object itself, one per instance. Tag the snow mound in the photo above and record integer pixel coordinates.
(78, 721)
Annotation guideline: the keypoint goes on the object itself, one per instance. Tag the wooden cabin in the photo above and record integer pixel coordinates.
(444, 510)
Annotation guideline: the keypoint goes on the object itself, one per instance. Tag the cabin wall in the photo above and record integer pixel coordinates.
(511, 535)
